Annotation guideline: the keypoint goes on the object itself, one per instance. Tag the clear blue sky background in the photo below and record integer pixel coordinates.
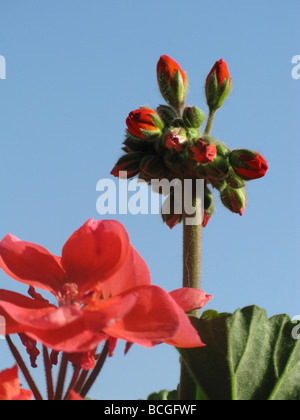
(75, 69)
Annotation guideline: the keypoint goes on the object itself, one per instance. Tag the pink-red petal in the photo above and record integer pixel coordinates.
(10, 388)
(190, 299)
(153, 319)
(133, 273)
(95, 252)
(31, 264)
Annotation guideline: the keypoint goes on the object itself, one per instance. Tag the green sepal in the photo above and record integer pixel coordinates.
(209, 204)
(217, 169)
(154, 167)
(233, 180)
(179, 90)
(157, 121)
(131, 163)
(150, 135)
(135, 144)
(234, 199)
(224, 91)
(166, 90)
(219, 184)
(211, 91)
(167, 114)
(193, 117)
(193, 134)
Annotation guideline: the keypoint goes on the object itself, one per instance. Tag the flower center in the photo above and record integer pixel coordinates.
(70, 295)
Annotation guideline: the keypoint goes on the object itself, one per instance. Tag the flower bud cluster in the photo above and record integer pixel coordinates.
(167, 142)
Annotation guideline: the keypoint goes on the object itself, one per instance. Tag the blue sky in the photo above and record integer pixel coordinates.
(75, 69)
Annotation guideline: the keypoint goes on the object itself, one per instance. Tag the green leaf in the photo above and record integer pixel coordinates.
(164, 395)
(247, 356)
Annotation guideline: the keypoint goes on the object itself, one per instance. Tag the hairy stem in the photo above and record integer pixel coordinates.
(192, 250)
(24, 369)
(48, 371)
(61, 377)
(209, 122)
(93, 376)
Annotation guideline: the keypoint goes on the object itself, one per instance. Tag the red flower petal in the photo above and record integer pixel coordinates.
(86, 361)
(186, 335)
(139, 120)
(31, 264)
(168, 67)
(152, 320)
(102, 313)
(10, 388)
(189, 299)
(133, 273)
(31, 349)
(47, 317)
(95, 252)
(222, 72)
(74, 396)
(73, 338)
(12, 304)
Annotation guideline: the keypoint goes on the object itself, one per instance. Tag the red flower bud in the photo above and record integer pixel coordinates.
(204, 152)
(206, 219)
(209, 206)
(234, 199)
(247, 164)
(144, 123)
(218, 85)
(221, 70)
(172, 81)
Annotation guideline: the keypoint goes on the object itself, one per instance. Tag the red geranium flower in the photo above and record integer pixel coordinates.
(203, 152)
(103, 289)
(10, 388)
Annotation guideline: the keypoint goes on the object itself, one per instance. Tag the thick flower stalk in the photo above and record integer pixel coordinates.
(183, 152)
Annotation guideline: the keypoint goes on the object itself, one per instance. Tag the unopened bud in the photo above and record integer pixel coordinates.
(193, 117)
(172, 81)
(144, 123)
(247, 164)
(234, 199)
(218, 85)
(209, 206)
(167, 114)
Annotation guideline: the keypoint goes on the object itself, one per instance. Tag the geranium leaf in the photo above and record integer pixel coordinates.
(247, 356)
